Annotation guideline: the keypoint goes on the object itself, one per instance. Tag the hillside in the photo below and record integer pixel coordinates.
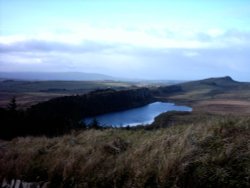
(210, 152)
(207, 87)
(215, 95)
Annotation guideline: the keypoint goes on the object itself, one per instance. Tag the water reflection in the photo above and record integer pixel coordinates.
(136, 116)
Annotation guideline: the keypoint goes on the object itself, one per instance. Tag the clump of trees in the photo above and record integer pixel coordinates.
(11, 120)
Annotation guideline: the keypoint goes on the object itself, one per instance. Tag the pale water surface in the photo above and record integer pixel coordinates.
(137, 116)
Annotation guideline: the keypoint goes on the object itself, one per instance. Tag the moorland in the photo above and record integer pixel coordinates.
(208, 147)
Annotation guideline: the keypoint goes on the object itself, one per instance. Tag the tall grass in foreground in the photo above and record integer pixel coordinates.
(214, 153)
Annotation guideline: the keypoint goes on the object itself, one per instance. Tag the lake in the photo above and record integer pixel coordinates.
(137, 116)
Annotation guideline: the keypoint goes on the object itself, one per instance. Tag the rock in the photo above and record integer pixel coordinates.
(5, 184)
(12, 184)
(18, 183)
(45, 185)
(24, 185)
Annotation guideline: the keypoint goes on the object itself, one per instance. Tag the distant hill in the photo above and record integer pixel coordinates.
(203, 89)
(209, 83)
(218, 84)
(54, 76)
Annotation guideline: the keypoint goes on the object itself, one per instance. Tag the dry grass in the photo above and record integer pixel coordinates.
(223, 106)
(215, 153)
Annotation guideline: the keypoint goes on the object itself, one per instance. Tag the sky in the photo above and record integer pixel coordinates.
(153, 39)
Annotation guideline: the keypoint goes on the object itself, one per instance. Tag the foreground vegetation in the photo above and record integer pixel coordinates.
(213, 152)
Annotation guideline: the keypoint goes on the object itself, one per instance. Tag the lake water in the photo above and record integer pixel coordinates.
(136, 116)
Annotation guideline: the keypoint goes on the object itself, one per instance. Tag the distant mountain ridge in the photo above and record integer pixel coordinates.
(73, 76)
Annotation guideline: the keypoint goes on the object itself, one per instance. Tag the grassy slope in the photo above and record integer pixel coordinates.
(214, 152)
(209, 89)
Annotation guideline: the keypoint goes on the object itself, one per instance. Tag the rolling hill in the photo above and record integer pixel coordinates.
(216, 95)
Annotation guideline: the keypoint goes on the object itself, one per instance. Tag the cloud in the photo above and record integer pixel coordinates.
(148, 36)
(36, 45)
(147, 53)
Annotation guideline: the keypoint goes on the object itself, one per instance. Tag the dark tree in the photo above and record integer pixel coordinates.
(95, 124)
(12, 106)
